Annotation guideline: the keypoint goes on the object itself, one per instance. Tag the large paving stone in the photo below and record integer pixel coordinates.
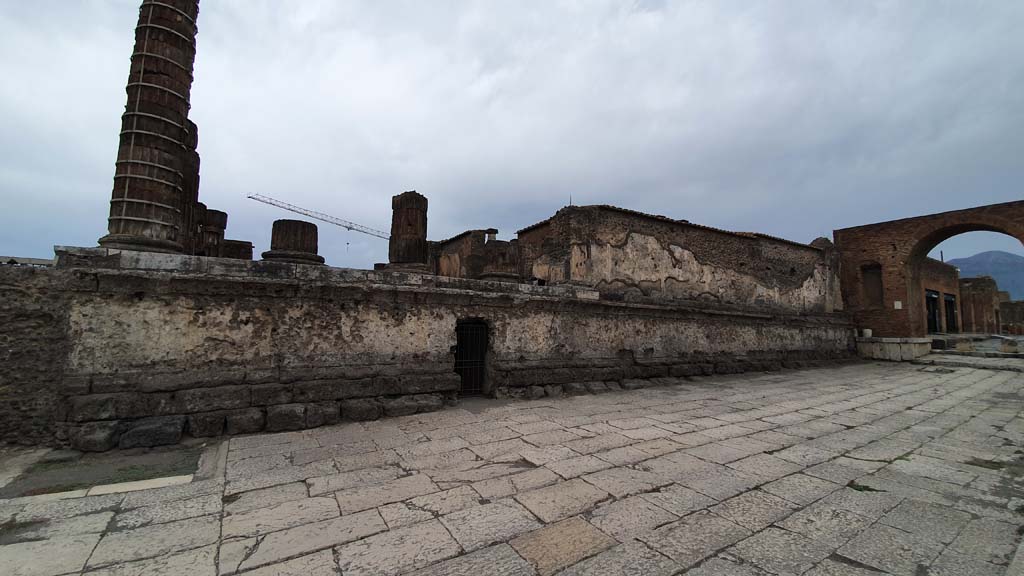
(938, 523)
(560, 545)
(629, 559)
(499, 560)
(801, 489)
(754, 510)
(892, 550)
(248, 553)
(365, 497)
(827, 524)
(397, 551)
(279, 517)
(987, 539)
(695, 537)
(630, 517)
(155, 540)
(354, 479)
(781, 552)
(481, 526)
(47, 557)
(679, 500)
(198, 561)
(168, 512)
(316, 564)
(265, 497)
(624, 481)
(55, 529)
(562, 500)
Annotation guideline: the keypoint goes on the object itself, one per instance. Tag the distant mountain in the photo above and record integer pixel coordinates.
(1006, 268)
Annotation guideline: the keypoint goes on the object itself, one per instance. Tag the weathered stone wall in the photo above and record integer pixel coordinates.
(137, 347)
(472, 255)
(944, 279)
(981, 305)
(1012, 316)
(637, 257)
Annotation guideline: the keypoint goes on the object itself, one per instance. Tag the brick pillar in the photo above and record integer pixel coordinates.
(408, 244)
(147, 207)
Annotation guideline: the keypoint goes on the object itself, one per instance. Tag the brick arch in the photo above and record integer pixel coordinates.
(900, 246)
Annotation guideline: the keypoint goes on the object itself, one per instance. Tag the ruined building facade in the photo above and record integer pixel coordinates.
(167, 328)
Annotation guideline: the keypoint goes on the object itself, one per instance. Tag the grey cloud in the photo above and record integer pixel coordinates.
(789, 118)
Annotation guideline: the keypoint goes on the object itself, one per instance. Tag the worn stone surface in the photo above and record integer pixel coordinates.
(199, 561)
(560, 545)
(278, 546)
(630, 517)
(695, 537)
(499, 559)
(562, 500)
(397, 551)
(155, 540)
(481, 526)
(456, 482)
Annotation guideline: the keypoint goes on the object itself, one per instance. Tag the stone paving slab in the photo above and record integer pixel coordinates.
(856, 470)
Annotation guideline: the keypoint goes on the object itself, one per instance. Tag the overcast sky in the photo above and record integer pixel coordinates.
(791, 118)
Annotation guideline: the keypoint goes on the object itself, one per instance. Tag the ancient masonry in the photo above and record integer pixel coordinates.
(167, 328)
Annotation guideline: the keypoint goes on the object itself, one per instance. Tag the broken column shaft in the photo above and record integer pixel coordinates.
(408, 244)
(148, 204)
(294, 241)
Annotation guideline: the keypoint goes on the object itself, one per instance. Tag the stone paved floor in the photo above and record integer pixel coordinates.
(849, 471)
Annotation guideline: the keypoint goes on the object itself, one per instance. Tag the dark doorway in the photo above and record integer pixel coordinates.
(951, 324)
(931, 299)
(471, 356)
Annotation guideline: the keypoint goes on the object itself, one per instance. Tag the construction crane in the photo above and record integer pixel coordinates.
(320, 216)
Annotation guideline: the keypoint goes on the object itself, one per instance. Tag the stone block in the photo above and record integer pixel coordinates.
(206, 399)
(316, 390)
(535, 392)
(206, 424)
(245, 421)
(406, 405)
(95, 436)
(156, 431)
(596, 387)
(286, 417)
(634, 384)
(271, 394)
(360, 409)
(112, 406)
(683, 370)
(553, 390)
(575, 389)
(322, 414)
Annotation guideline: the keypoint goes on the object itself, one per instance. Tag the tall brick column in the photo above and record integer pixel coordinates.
(408, 244)
(148, 204)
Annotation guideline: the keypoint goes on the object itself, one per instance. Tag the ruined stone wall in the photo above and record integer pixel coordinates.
(944, 279)
(472, 255)
(1012, 316)
(980, 305)
(635, 257)
(118, 345)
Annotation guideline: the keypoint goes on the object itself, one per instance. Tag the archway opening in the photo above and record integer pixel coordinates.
(964, 279)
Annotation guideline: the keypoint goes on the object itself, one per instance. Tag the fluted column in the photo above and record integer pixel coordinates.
(148, 204)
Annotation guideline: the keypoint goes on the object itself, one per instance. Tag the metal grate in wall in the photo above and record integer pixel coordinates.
(471, 355)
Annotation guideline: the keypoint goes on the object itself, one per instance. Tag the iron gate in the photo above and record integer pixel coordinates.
(471, 355)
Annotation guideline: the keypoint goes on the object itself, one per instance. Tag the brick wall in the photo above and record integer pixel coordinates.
(899, 247)
(981, 305)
